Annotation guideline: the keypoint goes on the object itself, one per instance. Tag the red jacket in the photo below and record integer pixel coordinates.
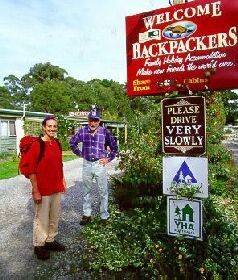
(49, 170)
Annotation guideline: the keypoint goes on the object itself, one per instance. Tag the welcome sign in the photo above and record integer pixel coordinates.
(191, 46)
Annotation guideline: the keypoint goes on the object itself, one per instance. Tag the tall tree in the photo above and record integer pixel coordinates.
(111, 98)
(5, 98)
(17, 92)
(230, 101)
(51, 96)
(80, 93)
(42, 72)
(48, 88)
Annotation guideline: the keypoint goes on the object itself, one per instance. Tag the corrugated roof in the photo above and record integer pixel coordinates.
(17, 113)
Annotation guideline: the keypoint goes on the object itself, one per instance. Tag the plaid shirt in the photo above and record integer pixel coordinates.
(94, 145)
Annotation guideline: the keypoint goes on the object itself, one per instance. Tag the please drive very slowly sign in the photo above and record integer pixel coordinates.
(184, 125)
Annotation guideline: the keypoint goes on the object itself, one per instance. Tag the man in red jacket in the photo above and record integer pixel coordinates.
(48, 183)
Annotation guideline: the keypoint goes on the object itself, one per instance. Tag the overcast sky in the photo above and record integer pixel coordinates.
(85, 37)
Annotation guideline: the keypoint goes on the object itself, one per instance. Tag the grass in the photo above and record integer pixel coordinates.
(9, 165)
(69, 157)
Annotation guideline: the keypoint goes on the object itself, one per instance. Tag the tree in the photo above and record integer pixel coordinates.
(230, 101)
(111, 98)
(17, 92)
(45, 82)
(122, 104)
(42, 72)
(5, 98)
(80, 94)
(51, 97)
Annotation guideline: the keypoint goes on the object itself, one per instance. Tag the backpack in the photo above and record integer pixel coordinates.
(25, 145)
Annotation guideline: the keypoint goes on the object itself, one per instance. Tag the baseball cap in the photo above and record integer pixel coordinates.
(94, 115)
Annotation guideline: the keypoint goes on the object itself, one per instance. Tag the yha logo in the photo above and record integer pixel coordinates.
(180, 29)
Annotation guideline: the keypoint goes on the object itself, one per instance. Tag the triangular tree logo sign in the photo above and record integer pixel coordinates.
(184, 175)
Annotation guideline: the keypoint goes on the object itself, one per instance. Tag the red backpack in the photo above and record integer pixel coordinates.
(25, 145)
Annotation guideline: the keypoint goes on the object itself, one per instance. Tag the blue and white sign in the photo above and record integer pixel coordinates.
(184, 217)
(185, 172)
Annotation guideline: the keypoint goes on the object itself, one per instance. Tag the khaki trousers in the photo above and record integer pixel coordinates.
(45, 224)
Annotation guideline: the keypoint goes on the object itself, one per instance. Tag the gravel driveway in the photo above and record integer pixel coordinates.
(17, 260)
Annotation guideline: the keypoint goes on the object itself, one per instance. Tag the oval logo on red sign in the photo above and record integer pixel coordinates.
(178, 30)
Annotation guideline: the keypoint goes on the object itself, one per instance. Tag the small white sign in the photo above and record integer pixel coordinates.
(185, 172)
(184, 217)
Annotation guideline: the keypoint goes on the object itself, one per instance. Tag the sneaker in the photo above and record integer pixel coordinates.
(54, 246)
(41, 253)
(85, 220)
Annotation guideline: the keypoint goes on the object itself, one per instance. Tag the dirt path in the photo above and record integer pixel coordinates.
(17, 260)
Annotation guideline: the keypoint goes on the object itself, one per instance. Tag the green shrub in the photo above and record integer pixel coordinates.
(65, 127)
(218, 153)
(221, 229)
(137, 238)
(142, 177)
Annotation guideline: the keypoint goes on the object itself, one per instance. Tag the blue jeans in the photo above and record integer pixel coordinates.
(94, 170)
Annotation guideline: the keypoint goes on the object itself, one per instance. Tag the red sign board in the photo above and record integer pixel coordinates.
(191, 46)
(184, 125)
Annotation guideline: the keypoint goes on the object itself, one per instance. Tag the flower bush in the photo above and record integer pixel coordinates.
(65, 127)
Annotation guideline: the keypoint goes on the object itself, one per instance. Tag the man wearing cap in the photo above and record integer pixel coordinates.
(94, 139)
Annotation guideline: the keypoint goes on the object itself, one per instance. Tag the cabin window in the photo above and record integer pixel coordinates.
(7, 128)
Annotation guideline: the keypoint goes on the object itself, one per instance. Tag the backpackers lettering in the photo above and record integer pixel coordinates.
(25, 145)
